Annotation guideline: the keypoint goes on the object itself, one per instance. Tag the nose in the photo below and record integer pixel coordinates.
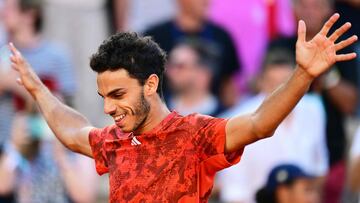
(109, 107)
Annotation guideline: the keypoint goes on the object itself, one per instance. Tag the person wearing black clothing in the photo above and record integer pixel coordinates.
(191, 22)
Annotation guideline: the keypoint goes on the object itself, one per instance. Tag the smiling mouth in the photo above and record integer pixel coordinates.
(119, 118)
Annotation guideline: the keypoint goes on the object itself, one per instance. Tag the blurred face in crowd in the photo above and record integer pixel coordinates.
(14, 18)
(273, 76)
(194, 8)
(185, 73)
(21, 137)
(124, 99)
(313, 12)
(301, 191)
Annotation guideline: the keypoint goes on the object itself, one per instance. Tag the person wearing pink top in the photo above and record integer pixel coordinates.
(248, 24)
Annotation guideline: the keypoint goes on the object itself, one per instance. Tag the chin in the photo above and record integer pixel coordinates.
(124, 129)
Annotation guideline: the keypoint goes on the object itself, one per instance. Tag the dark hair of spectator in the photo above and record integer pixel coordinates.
(37, 7)
(278, 57)
(206, 51)
(267, 195)
(139, 56)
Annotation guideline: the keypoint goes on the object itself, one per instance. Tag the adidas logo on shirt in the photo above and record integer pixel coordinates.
(135, 141)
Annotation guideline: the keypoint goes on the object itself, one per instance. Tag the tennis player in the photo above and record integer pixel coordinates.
(152, 154)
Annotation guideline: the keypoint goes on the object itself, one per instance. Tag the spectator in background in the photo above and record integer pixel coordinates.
(337, 88)
(300, 138)
(138, 15)
(7, 193)
(191, 21)
(23, 21)
(354, 170)
(39, 169)
(350, 9)
(191, 67)
(252, 24)
(287, 183)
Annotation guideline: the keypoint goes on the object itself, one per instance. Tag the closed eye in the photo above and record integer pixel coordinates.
(117, 95)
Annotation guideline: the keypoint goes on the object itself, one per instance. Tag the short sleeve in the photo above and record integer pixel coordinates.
(211, 139)
(96, 140)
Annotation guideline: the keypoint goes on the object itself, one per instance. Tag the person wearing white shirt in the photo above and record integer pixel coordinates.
(354, 174)
(299, 140)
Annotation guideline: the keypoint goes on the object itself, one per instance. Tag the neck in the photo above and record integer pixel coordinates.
(188, 23)
(158, 112)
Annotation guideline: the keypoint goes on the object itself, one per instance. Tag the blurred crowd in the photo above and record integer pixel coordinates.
(224, 58)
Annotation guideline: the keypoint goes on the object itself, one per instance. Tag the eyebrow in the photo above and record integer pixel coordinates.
(112, 92)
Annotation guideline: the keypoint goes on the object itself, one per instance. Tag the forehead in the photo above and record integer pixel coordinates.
(110, 80)
(182, 53)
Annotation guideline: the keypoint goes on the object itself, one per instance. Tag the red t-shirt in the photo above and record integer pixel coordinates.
(175, 162)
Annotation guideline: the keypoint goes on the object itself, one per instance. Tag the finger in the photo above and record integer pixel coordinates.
(340, 31)
(19, 81)
(327, 26)
(14, 66)
(14, 50)
(13, 59)
(345, 57)
(346, 43)
(301, 31)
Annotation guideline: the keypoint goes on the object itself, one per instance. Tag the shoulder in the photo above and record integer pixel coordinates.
(199, 121)
(159, 28)
(107, 133)
(219, 31)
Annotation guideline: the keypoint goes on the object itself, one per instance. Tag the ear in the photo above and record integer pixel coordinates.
(151, 85)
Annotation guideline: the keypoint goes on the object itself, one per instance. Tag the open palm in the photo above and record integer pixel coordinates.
(319, 54)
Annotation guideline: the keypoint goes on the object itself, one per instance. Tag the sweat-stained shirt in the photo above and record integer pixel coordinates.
(174, 162)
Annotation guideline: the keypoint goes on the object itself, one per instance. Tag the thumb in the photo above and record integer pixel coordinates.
(301, 31)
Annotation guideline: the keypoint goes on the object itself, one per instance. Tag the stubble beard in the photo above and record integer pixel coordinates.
(142, 109)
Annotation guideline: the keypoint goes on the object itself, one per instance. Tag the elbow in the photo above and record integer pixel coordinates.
(70, 143)
(265, 134)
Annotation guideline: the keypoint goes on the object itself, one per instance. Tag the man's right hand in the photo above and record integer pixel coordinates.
(27, 76)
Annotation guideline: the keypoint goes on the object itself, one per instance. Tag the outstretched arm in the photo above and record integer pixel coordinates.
(69, 126)
(313, 58)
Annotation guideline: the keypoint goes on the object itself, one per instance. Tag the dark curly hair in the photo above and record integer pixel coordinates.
(139, 56)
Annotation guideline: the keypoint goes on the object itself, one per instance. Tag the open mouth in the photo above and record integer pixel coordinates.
(118, 119)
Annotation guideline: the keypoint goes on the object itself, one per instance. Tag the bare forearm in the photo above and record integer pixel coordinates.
(64, 121)
(280, 103)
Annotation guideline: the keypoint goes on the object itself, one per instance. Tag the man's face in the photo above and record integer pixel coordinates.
(124, 99)
(182, 67)
(273, 76)
(195, 8)
(303, 191)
